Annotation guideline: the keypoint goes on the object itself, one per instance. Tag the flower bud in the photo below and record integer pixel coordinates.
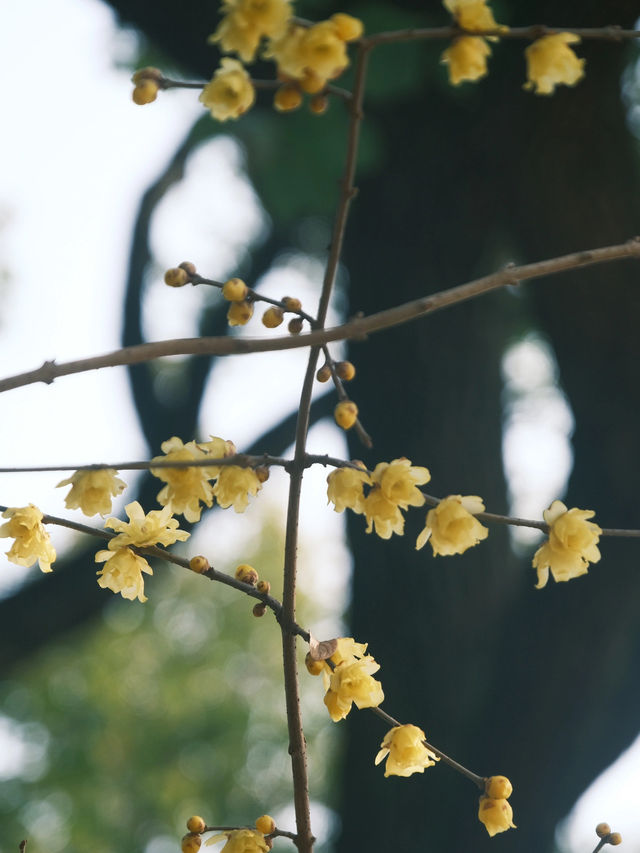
(259, 609)
(324, 374)
(312, 83)
(287, 98)
(498, 787)
(265, 824)
(191, 842)
(290, 303)
(176, 277)
(348, 27)
(319, 104)
(199, 564)
(262, 473)
(295, 326)
(345, 370)
(247, 574)
(264, 587)
(615, 838)
(235, 290)
(602, 829)
(314, 667)
(272, 317)
(346, 414)
(196, 824)
(188, 267)
(240, 313)
(145, 92)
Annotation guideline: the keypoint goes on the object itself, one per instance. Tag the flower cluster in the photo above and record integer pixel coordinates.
(571, 546)
(91, 491)
(494, 809)
(348, 678)
(187, 488)
(123, 567)
(31, 539)
(405, 751)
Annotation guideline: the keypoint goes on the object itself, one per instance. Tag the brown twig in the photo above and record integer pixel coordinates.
(535, 31)
(357, 328)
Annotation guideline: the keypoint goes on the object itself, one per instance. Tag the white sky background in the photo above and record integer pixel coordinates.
(76, 154)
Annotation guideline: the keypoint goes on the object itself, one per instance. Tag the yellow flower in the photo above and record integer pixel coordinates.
(467, 59)
(122, 572)
(230, 92)
(398, 480)
(405, 751)
(451, 527)
(186, 487)
(32, 540)
(473, 15)
(241, 841)
(351, 681)
(91, 491)
(234, 485)
(495, 814)
(571, 546)
(156, 528)
(382, 514)
(498, 787)
(551, 62)
(346, 489)
(317, 52)
(245, 22)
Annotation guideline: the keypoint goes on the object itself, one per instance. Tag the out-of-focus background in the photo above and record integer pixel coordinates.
(119, 720)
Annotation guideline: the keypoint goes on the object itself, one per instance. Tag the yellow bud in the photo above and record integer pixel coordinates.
(176, 277)
(247, 574)
(188, 267)
(312, 83)
(259, 609)
(615, 838)
(262, 473)
(145, 92)
(348, 27)
(290, 303)
(264, 587)
(265, 824)
(295, 326)
(191, 843)
(199, 564)
(346, 414)
(345, 370)
(324, 374)
(196, 824)
(148, 73)
(602, 829)
(287, 98)
(272, 317)
(314, 667)
(240, 313)
(498, 787)
(235, 290)
(319, 104)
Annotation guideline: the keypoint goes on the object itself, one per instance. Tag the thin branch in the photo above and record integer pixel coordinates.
(535, 31)
(356, 329)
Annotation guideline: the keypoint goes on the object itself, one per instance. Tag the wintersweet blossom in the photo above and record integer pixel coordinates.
(351, 681)
(241, 841)
(122, 572)
(245, 22)
(230, 92)
(404, 749)
(466, 59)
(451, 527)
(382, 514)
(31, 538)
(234, 485)
(186, 487)
(495, 814)
(346, 489)
(91, 491)
(398, 481)
(473, 15)
(157, 527)
(571, 546)
(551, 62)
